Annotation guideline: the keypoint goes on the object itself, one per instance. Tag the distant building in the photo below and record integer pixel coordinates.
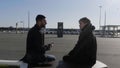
(110, 31)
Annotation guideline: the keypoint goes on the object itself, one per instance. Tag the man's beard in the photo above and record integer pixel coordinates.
(42, 25)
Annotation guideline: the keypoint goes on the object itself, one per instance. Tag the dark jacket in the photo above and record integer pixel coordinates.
(84, 52)
(34, 47)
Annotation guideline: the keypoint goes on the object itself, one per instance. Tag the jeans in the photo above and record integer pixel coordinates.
(63, 64)
(50, 58)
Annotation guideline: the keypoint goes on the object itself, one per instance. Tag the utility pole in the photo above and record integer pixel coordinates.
(104, 33)
(16, 27)
(100, 17)
(23, 25)
(105, 19)
(28, 19)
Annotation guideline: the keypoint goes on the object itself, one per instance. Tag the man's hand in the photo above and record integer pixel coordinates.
(48, 46)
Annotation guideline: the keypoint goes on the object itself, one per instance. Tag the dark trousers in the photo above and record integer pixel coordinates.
(63, 64)
(50, 58)
(47, 62)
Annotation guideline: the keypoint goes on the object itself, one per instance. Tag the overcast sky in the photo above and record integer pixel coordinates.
(67, 11)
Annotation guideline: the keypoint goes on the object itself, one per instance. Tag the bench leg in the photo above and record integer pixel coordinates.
(23, 65)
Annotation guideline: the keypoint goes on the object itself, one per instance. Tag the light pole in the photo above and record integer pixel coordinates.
(28, 20)
(100, 17)
(23, 25)
(16, 27)
(105, 25)
(105, 19)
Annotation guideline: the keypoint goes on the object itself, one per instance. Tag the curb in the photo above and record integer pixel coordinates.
(9, 66)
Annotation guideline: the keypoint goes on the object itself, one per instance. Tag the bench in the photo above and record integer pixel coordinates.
(19, 64)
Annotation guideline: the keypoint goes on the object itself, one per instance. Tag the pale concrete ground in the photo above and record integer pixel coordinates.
(12, 47)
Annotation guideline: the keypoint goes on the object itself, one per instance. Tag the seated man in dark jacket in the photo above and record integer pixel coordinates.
(35, 48)
(84, 52)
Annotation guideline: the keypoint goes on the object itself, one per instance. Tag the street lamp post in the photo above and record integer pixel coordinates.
(100, 17)
(23, 25)
(16, 27)
(28, 20)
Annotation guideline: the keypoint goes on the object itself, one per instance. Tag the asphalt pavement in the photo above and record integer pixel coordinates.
(12, 47)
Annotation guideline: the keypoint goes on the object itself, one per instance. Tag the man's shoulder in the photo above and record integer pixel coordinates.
(32, 30)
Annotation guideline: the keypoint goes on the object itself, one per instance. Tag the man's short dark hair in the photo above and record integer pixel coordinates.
(40, 17)
(85, 20)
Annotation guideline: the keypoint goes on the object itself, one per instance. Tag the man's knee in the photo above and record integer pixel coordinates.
(50, 58)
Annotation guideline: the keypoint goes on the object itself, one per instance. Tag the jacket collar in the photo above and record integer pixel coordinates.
(37, 27)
